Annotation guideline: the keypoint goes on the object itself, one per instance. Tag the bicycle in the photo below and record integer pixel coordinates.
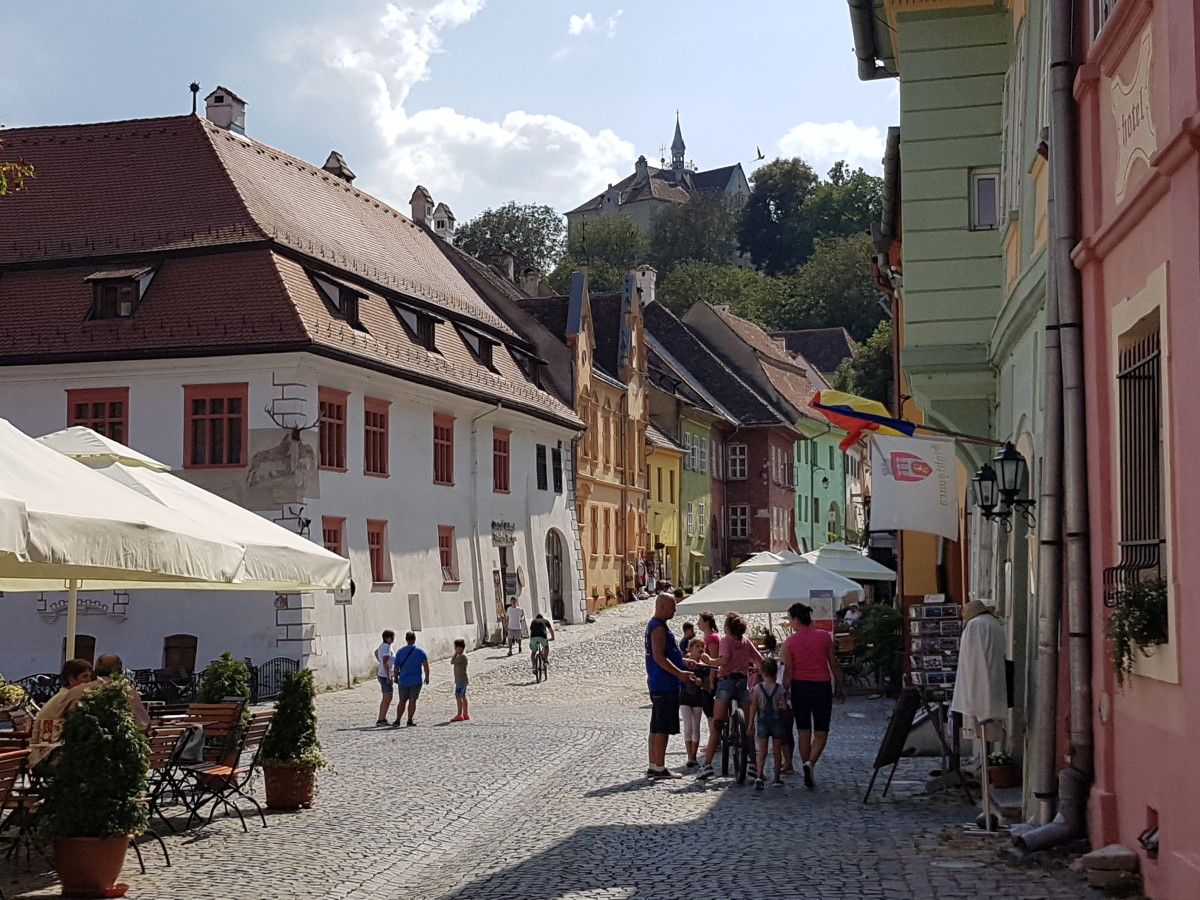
(735, 743)
(541, 669)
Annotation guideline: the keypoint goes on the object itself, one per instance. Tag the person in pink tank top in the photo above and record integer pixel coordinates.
(811, 676)
(736, 656)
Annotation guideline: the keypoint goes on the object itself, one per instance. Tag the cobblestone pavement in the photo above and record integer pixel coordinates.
(542, 795)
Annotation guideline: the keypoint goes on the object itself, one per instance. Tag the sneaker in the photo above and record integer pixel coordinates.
(396, 724)
(778, 782)
(808, 777)
(692, 764)
(758, 784)
(706, 772)
(510, 652)
(662, 774)
(411, 723)
(379, 722)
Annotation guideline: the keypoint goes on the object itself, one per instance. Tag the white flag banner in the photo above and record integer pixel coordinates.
(913, 486)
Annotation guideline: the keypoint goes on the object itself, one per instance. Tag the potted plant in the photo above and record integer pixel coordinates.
(1003, 771)
(1138, 621)
(10, 694)
(880, 645)
(291, 753)
(94, 803)
(227, 679)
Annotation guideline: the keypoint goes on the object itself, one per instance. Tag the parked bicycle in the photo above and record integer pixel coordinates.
(735, 744)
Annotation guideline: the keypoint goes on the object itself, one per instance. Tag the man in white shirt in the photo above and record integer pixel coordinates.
(516, 624)
(383, 657)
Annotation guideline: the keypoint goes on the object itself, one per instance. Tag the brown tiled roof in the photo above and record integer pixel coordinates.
(657, 438)
(824, 348)
(660, 185)
(788, 376)
(181, 182)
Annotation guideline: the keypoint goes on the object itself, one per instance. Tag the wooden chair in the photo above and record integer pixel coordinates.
(221, 721)
(221, 783)
(166, 743)
(12, 766)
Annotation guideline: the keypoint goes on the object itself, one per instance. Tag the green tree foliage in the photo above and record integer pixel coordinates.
(703, 230)
(833, 289)
(868, 370)
(749, 293)
(224, 677)
(791, 208)
(292, 740)
(530, 232)
(609, 247)
(100, 773)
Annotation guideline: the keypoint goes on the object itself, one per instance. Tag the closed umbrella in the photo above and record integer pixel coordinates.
(845, 560)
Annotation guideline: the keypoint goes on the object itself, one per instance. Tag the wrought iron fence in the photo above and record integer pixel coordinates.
(266, 679)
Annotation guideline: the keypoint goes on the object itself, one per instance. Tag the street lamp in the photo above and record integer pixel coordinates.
(1001, 483)
(985, 490)
(1012, 471)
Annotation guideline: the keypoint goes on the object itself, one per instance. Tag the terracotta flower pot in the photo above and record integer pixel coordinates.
(90, 866)
(1004, 776)
(289, 787)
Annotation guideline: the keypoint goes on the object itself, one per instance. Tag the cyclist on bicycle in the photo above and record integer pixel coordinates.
(737, 656)
(541, 632)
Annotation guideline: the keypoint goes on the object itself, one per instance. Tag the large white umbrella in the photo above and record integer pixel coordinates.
(80, 526)
(276, 559)
(768, 583)
(845, 560)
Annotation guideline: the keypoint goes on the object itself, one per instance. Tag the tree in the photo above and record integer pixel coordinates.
(703, 230)
(750, 294)
(609, 247)
(832, 290)
(868, 370)
(533, 234)
(791, 208)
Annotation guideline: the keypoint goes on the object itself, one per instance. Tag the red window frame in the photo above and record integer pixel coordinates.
(595, 529)
(446, 554)
(375, 437)
(333, 534)
(377, 551)
(104, 410)
(501, 457)
(332, 429)
(201, 421)
(443, 449)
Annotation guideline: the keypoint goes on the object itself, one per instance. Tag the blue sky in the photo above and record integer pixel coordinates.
(482, 101)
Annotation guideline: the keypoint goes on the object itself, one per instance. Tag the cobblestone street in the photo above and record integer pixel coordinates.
(542, 795)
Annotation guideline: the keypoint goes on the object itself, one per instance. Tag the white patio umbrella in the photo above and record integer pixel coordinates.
(845, 560)
(79, 526)
(767, 583)
(276, 559)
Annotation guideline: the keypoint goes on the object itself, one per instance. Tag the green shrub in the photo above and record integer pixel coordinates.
(292, 740)
(224, 677)
(1138, 621)
(880, 640)
(10, 694)
(100, 771)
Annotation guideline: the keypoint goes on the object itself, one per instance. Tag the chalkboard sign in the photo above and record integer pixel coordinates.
(891, 748)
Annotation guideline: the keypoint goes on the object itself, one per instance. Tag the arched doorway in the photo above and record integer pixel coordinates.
(554, 565)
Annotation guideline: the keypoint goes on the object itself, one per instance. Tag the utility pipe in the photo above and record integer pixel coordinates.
(479, 580)
(862, 25)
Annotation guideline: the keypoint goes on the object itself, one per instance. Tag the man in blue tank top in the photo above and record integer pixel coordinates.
(664, 672)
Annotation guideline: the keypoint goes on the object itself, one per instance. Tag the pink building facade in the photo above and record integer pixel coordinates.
(1138, 95)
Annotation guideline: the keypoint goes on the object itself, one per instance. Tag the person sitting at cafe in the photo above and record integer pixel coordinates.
(48, 722)
(106, 666)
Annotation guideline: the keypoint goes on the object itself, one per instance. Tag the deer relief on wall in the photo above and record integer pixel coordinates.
(284, 470)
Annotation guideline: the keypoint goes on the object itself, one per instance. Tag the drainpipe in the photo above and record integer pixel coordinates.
(726, 556)
(862, 25)
(812, 468)
(1074, 780)
(484, 617)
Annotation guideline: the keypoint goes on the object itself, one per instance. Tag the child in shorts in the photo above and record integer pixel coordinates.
(459, 662)
(765, 719)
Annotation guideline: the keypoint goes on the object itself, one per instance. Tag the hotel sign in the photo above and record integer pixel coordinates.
(1131, 111)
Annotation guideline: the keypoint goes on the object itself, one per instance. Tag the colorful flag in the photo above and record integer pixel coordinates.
(914, 486)
(857, 414)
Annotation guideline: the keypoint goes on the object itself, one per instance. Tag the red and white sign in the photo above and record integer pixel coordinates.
(913, 487)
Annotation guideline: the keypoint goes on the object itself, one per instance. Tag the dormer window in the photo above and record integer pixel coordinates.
(440, 224)
(530, 365)
(419, 325)
(341, 298)
(116, 293)
(481, 347)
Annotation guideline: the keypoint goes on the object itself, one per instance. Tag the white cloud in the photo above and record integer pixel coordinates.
(577, 25)
(823, 143)
(613, 21)
(470, 162)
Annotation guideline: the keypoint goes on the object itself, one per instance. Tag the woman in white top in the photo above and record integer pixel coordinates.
(383, 656)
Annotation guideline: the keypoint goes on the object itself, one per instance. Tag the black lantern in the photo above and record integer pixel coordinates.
(1012, 472)
(985, 490)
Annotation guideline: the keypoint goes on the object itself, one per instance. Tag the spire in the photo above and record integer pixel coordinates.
(677, 146)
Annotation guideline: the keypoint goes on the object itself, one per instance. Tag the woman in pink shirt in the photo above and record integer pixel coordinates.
(736, 657)
(811, 672)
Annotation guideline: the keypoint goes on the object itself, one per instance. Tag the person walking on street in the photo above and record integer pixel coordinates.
(516, 624)
(459, 662)
(736, 657)
(664, 673)
(811, 676)
(767, 722)
(383, 671)
(410, 661)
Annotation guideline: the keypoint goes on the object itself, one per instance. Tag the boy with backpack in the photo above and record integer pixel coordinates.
(766, 720)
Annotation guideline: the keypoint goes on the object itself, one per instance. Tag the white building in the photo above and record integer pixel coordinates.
(281, 338)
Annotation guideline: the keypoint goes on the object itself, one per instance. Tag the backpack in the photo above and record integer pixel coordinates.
(768, 706)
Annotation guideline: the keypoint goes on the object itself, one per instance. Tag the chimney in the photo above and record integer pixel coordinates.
(336, 165)
(531, 281)
(504, 263)
(641, 171)
(422, 206)
(644, 278)
(225, 109)
(443, 223)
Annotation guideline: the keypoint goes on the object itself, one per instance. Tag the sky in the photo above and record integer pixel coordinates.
(482, 101)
